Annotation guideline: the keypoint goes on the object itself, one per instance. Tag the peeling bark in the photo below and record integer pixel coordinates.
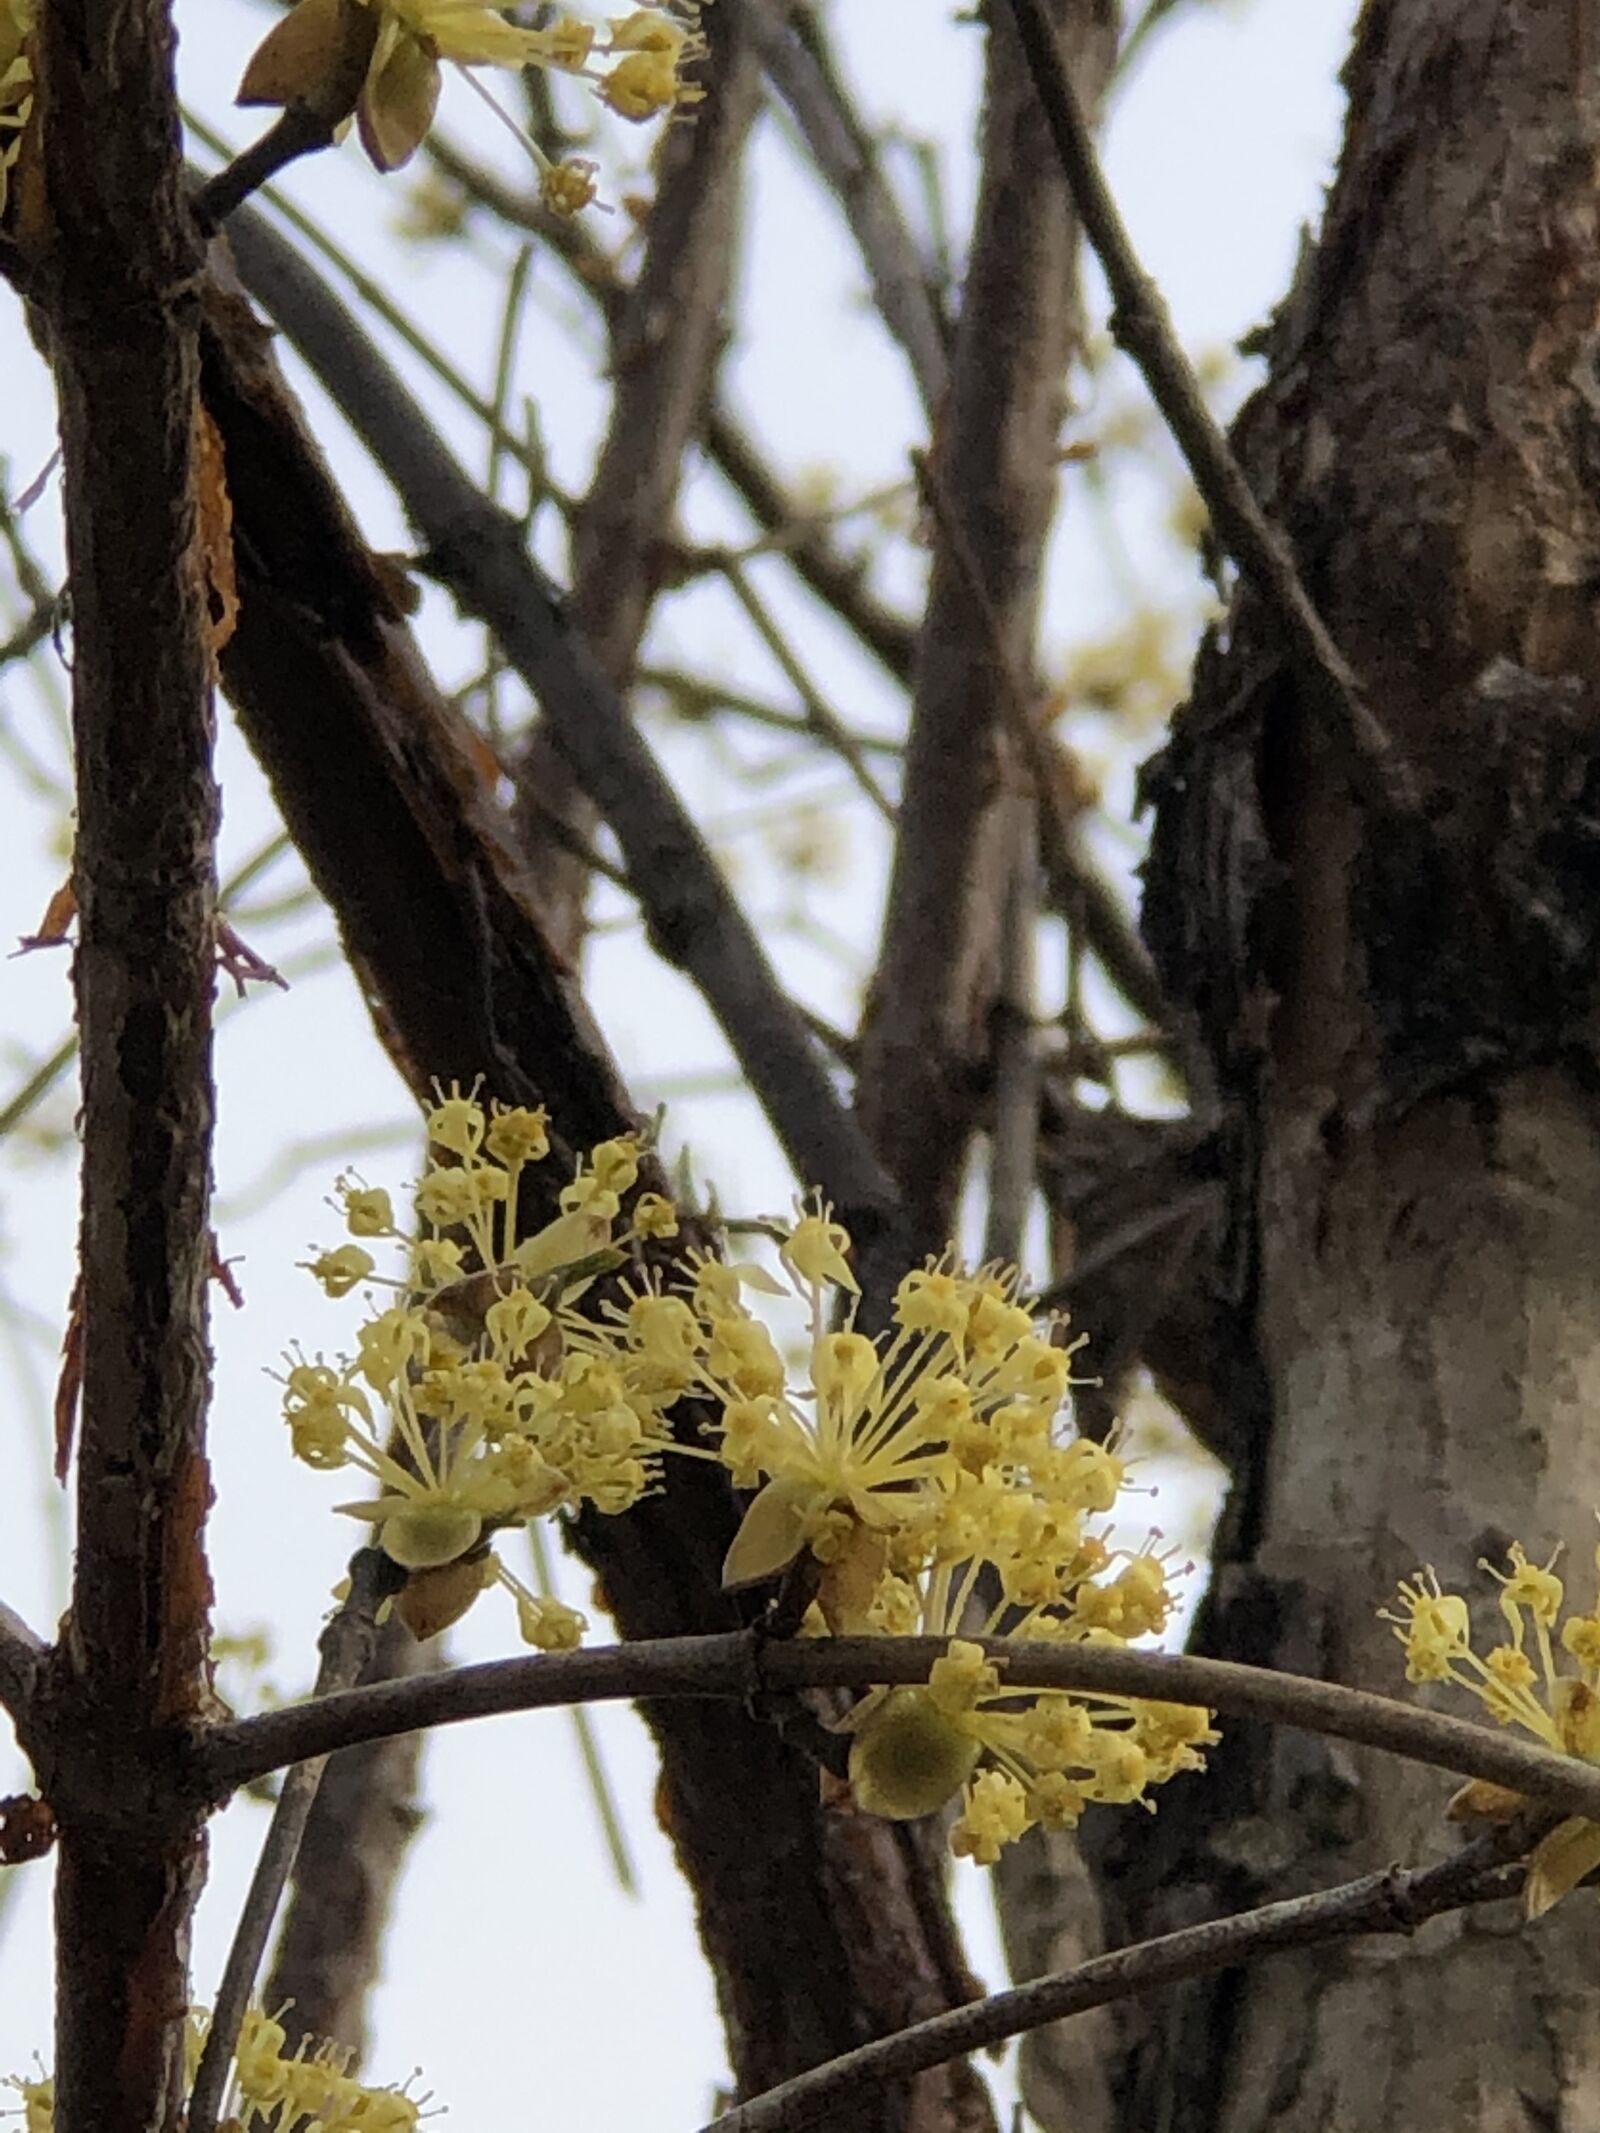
(1400, 1016)
(113, 266)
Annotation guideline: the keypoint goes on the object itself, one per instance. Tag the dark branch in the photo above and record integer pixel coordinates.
(346, 1646)
(745, 1664)
(116, 297)
(926, 1038)
(695, 922)
(1392, 1902)
(1141, 325)
(22, 1655)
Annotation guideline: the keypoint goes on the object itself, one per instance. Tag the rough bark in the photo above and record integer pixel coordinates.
(112, 267)
(1400, 1016)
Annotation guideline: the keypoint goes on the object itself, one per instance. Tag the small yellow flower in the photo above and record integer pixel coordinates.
(1435, 1628)
(368, 1210)
(271, 2086)
(1560, 1709)
(814, 1252)
(518, 1135)
(654, 1216)
(994, 1814)
(342, 1270)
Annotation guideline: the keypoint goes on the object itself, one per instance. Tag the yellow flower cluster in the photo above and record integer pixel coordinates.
(16, 83)
(636, 65)
(1559, 1706)
(925, 1474)
(477, 1399)
(273, 2088)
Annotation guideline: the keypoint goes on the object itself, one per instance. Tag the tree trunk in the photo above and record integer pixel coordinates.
(1398, 1012)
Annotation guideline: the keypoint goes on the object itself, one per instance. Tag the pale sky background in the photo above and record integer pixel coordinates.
(523, 1982)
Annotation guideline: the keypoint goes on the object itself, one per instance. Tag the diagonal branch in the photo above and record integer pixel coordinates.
(23, 1653)
(695, 921)
(1141, 325)
(1392, 1902)
(346, 1645)
(800, 69)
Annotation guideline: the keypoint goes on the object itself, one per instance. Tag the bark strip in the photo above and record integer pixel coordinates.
(116, 283)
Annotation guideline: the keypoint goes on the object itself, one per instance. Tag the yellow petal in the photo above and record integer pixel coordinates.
(430, 1535)
(1480, 1800)
(773, 1531)
(1570, 1851)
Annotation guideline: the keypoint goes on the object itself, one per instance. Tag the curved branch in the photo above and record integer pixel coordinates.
(1392, 1902)
(747, 1664)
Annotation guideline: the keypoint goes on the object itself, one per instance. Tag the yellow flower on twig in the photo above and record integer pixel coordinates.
(1519, 1682)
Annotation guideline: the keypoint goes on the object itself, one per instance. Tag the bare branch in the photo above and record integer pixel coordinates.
(1392, 1902)
(1014, 1118)
(23, 1654)
(1076, 890)
(665, 337)
(695, 921)
(749, 1663)
(346, 1646)
(799, 68)
(355, 1843)
(130, 1670)
(1142, 326)
(925, 1041)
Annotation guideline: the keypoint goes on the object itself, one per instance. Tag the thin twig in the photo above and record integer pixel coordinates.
(820, 719)
(846, 160)
(694, 919)
(838, 579)
(1142, 327)
(693, 697)
(666, 334)
(1014, 1119)
(1199, 1201)
(309, 124)
(22, 1653)
(1395, 1901)
(345, 1645)
(742, 1665)
(1075, 890)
